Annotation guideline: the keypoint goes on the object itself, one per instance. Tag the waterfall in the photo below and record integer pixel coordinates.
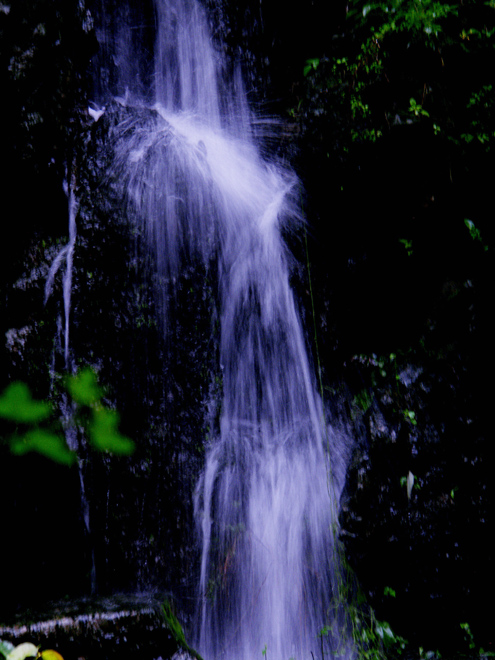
(191, 173)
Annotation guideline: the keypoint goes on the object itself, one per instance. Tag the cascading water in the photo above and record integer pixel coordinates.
(266, 501)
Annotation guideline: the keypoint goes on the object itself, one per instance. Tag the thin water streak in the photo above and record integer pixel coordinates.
(65, 254)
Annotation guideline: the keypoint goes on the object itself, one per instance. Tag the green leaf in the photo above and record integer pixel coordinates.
(44, 442)
(407, 243)
(22, 651)
(105, 435)
(410, 416)
(311, 65)
(473, 231)
(173, 623)
(83, 387)
(17, 405)
(364, 400)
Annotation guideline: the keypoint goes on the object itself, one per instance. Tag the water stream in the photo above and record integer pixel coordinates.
(192, 174)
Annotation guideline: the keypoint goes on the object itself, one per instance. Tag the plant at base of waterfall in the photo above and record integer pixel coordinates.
(355, 621)
(375, 639)
(175, 629)
(36, 430)
(26, 650)
(372, 639)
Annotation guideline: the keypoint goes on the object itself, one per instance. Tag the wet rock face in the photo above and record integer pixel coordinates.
(131, 633)
(424, 411)
(418, 507)
(140, 530)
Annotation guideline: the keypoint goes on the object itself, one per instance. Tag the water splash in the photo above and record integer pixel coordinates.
(266, 503)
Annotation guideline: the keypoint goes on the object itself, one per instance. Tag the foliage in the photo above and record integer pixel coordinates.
(475, 233)
(176, 629)
(471, 644)
(417, 18)
(18, 407)
(372, 639)
(403, 63)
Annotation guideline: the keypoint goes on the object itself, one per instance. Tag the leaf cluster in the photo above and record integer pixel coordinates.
(372, 638)
(36, 430)
(404, 62)
(175, 628)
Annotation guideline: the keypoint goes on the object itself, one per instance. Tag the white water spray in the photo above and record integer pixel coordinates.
(266, 502)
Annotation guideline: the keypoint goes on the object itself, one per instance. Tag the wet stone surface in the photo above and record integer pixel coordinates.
(78, 631)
